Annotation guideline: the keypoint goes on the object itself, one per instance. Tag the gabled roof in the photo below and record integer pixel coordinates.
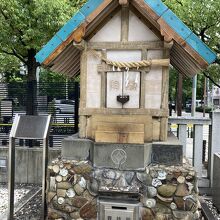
(189, 54)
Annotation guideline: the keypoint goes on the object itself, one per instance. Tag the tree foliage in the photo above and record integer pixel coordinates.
(202, 17)
(26, 25)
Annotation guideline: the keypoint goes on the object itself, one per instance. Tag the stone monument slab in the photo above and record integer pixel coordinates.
(122, 156)
(168, 153)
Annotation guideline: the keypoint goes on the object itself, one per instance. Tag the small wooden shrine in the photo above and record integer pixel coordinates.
(122, 50)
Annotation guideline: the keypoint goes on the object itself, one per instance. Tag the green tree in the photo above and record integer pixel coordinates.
(202, 17)
(9, 68)
(26, 25)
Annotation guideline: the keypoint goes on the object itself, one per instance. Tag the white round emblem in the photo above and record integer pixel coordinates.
(119, 156)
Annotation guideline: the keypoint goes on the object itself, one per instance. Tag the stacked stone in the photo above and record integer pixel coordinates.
(69, 192)
(166, 192)
(171, 192)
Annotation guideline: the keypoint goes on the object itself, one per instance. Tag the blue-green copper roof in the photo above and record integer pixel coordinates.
(156, 5)
(67, 29)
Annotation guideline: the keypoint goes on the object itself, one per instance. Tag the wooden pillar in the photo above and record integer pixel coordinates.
(83, 93)
(124, 22)
(194, 87)
(103, 83)
(179, 94)
(143, 73)
(164, 96)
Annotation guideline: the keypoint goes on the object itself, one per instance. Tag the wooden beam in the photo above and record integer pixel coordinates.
(161, 62)
(124, 22)
(163, 129)
(165, 82)
(167, 31)
(134, 45)
(112, 111)
(124, 2)
(168, 45)
(83, 79)
(98, 11)
(83, 125)
(143, 74)
(81, 45)
(83, 93)
(145, 9)
(164, 98)
(103, 83)
(74, 36)
(78, 33)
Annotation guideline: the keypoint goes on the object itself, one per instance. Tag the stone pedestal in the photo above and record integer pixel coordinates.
(162, 192)
(168, 153)
(153, 175)
(77, 148)
(122, 156)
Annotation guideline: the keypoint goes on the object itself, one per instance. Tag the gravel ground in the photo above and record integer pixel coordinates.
(30, 211)
(213, 209)
(22, 193)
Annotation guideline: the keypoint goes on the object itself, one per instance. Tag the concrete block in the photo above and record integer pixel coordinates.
(28, 164)
(169, 152)
(216, 181)
(122, 156)
(76, 148)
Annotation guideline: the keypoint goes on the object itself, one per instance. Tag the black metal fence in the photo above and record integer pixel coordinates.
(61, 100)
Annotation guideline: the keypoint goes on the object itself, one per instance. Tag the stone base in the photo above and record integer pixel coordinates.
(122, 156)
(162, 192)
(77, 148)
(169, 152)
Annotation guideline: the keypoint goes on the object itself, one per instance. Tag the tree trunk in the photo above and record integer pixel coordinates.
(31, 106)
(31, 101)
